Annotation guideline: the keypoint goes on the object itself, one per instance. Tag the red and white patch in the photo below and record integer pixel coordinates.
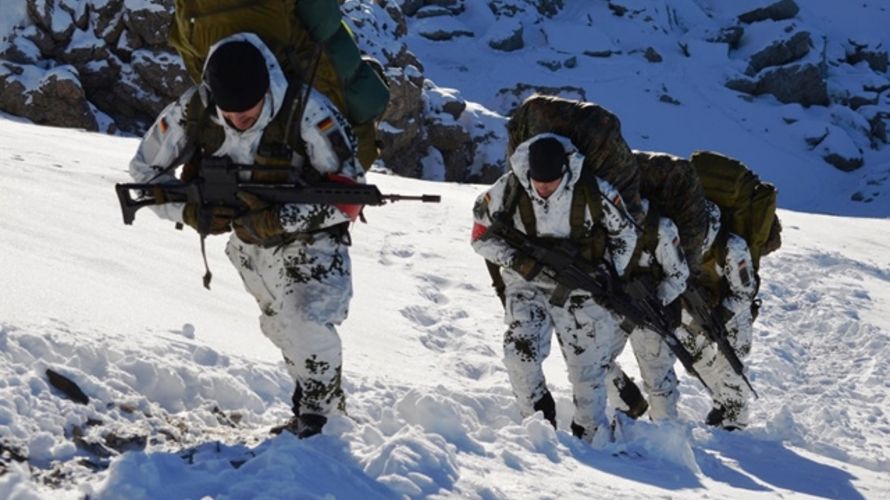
(478, 231)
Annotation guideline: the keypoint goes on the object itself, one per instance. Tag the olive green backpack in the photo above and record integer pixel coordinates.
(748, 204)
(309, 37)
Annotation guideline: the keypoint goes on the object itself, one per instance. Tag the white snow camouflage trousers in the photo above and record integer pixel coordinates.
(586, 334)
(303, 290)
(728, 389)
(656, 363)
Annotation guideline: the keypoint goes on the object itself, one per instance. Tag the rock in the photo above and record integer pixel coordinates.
(731, 36)
(57, 98)
(801, 83)
(508, 42)
(548, 8)
(163, 71)
(51, 18)
(665, 98)
(20, 50)
(618, 10)
(403, 140)
(877, 60)
(151, 23)
(107, 20)
(840, 151)
(510, 98)
(783, 9)
(456, 147)
(441, 35)
(652, 55)
(780, 52)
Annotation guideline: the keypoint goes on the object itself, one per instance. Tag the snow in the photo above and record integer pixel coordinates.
(183, 387)
(121, 311)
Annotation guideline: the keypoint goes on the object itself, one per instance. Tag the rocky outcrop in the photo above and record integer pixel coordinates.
(783, 9)
(800, 83)
(780, 52)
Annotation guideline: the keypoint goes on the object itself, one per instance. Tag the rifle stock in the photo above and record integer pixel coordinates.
(219, 184)
(566, 267)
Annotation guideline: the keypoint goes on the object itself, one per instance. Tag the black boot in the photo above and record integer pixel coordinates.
(631, 396)
(546, 405)
(577, 430)
(293, 424)
(310, 425)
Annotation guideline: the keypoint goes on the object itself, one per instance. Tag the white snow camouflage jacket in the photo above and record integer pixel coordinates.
(552, 215)
(167, 139)
(669, 256)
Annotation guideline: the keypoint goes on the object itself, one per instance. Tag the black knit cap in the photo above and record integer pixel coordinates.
(547, 159)
(237, 75)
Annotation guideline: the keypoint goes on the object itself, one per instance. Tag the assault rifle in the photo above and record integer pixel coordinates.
(708, 318)
(563, 263)
(220, 181)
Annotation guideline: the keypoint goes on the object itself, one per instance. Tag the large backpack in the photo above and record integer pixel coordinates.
(674, 190)
(748, 204)
(310, 39)
(593, 130)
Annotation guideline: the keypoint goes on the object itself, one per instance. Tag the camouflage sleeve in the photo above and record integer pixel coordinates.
(672, 261)
(622, 235)
(160, 147)
(739, 274)
(330, 150)
(488, 203)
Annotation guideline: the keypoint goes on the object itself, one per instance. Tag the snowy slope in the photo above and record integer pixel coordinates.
(680, 104)
(183, 386)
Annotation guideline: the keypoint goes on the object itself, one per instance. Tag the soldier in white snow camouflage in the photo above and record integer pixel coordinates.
(659, 259)
(292, 258)
(544, 197)
(729, 265)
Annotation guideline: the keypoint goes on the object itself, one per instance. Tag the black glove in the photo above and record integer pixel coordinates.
(527, 267)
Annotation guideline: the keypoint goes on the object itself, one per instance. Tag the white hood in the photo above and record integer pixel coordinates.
(277, 80)
(519, 162)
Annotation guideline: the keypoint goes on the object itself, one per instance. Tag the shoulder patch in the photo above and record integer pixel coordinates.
(325, 125)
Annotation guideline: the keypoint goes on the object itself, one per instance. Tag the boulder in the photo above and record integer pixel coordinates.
(783, 9)
(53, 97)
(801, 83)
(780, 52)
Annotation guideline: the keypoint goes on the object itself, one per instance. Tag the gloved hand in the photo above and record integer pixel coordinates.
(527, 267)
(220, 218)
(260, 224)
(351, 211)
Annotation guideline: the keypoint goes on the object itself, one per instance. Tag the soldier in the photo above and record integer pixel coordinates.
(728, 272)
(546, 196)
(292, 258)
(660, 263)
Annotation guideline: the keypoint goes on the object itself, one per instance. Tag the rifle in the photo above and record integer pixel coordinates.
(562, 263)
(710, 321)
(220, 181)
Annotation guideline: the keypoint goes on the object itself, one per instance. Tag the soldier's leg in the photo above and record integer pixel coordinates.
(656, 362)
(586, 333)
(526, 345)
(623, 394)
(303, 292)
(732, 395)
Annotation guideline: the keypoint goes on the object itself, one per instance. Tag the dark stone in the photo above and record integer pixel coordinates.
(877, 60)
(510, 43)
(783, 9)
(780, 52)
(652, 55)
(43, 13)
(802, 83)
(618, 10)
(56, 100)
(151, 25)
(844, 164)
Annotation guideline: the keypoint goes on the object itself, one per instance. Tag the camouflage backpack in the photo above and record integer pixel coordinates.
(673, 189)
(748, 205)
(594, 130)
(309, 37)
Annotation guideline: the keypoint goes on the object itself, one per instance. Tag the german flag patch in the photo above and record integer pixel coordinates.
(163, 126)
(325, 125)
